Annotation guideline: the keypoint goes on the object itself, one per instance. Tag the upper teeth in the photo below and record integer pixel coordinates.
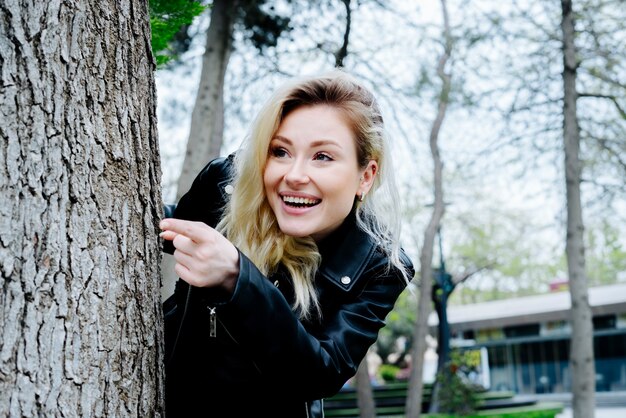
(299, 200)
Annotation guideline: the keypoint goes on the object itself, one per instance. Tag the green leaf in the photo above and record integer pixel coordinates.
(167, 17)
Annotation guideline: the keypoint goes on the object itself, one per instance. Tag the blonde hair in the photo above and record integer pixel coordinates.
(250, 223)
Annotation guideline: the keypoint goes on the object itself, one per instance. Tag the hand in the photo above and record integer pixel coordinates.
(204, 257)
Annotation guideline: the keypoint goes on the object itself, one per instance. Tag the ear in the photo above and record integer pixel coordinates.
(367, 177)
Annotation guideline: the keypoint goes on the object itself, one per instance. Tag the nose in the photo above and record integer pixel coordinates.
(297, 175)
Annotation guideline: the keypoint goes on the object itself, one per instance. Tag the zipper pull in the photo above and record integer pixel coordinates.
(212, 323)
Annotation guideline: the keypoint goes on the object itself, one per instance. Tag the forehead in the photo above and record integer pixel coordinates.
(316, 120)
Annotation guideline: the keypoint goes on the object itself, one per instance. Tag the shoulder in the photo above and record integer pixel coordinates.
(209, 192)
(363, 283)
(382, 259)
(217, 170)
(353, 258)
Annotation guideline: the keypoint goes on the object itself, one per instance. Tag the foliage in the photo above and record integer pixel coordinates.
(530, 47)
(398, 328)
(261, 25)
(167, 17)
(605, 255)
(388, 372)
(506, 265)
(465, 361)
(520, 260)
(456, 394)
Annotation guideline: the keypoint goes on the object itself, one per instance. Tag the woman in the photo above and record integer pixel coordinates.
(289, 257)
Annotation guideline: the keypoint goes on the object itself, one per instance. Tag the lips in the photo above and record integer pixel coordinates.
(300, 201)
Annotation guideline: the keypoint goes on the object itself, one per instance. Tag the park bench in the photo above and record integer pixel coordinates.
(390, 399)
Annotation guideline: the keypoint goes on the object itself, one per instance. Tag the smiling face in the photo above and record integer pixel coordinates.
(312, 176)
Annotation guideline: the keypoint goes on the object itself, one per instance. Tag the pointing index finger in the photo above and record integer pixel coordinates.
(190, 229)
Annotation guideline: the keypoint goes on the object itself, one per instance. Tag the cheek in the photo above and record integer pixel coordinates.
(344, 197)
(268, 176)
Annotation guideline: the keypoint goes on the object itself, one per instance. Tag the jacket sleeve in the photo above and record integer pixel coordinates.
(309, 362)
(206, 198)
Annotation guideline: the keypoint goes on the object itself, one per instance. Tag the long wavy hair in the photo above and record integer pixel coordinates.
(249, 221)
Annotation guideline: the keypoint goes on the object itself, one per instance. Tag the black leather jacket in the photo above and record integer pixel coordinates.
(248, 354)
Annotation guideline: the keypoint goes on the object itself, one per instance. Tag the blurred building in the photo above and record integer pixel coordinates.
(528, 339)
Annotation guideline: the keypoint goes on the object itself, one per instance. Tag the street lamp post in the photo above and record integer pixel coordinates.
(442, 288)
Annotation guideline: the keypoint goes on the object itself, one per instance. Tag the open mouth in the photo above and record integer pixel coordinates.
(300, 202)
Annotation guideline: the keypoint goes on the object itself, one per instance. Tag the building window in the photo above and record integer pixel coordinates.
(526, 330)
(556, 328)
(604, 322)
(489, 334)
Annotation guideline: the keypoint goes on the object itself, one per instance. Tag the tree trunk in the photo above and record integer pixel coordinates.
(414, 399)
(581, 356)
(365, 394)
(80, 310)
(207, 119)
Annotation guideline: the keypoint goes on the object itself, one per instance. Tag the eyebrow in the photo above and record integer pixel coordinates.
(318, 143)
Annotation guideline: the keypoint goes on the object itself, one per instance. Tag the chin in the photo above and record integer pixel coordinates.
(296, 235)
(295, 232)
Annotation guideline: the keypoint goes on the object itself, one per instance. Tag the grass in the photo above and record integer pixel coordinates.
(539, 410)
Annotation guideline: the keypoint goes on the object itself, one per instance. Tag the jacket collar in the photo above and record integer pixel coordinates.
(345, 253)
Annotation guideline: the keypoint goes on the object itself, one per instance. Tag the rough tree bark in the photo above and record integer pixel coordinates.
(414, 399)
(80, 309)
(581, 356)
(207, 118)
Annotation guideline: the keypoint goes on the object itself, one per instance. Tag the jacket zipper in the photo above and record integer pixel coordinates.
(213, 330)
(212, 327)
(212, 322)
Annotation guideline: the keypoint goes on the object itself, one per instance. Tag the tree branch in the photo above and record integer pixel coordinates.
(613, 99)
(342, 52)
(463, 277)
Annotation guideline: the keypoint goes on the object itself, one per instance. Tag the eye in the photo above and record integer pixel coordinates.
(322, 156)
(278, 152)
